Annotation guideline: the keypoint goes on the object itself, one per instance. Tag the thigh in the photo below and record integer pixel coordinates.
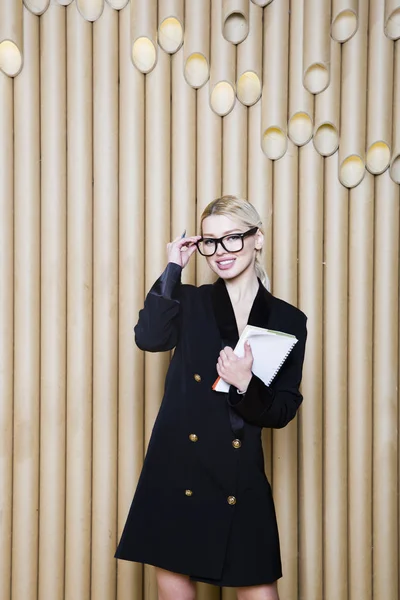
(258, 592)
(174, 586)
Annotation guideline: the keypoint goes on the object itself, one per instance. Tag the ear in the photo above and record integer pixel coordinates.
(259, 241)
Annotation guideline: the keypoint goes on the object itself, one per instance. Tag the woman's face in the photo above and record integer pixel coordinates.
(225, 264)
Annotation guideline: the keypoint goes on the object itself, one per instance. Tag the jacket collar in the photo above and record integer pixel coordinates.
(225, 316)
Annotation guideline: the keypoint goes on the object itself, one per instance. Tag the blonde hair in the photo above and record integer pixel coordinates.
(245, 213)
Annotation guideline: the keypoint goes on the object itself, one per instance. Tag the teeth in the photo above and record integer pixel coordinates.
(226, 262)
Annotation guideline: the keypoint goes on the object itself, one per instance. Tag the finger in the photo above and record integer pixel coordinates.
(230, 353)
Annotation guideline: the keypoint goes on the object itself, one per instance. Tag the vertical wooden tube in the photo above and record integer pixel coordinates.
(335, 382)
(171, 22)
(259, 193)
(157, 233)
(196, 48)
(79, 306)
(105, 303)
(353, 103)
(392, 19)
(26, 319)
(261, 3)
(91, 10)
(6, 327)
(285, 480)
(327, 108)
(11, 37)
(380, 92)
(144, 34)
(183, 168)
(385, 376)
(223, 65)
(301, 101)
(53, 303)
(316, 45)
(235, 20)
(117, 4)
(361, 241)
(131, 293)
(209, 167)
(344, 21)
(249, 60)
(234, 152)
(64, 2)
(310, 425)
(275, 79)
(395, 161)
(37, 7)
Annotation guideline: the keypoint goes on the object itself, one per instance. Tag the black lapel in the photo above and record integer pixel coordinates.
(225, 316)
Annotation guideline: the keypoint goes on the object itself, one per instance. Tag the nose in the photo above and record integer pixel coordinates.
(220, 249)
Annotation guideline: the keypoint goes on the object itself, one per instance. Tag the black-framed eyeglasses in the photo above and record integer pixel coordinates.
(233, 242)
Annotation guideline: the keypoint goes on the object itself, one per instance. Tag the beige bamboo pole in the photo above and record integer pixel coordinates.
(310, 423)
(316, 45)
(196, 48)
(53, 303)
(208, 167)
(118, 5)
(234, 152)
(344, 21)
(335, 382)
(6, 327)
(183, 168)
(285, 240)
(361, 236)
(275, 79)
(380, 92)
(64, 2)
(259, 193)
(395, 161)
(157, 234)
(327, 108)
(11, 37)
(105, 304)
(392, 19)
(385, 377)
(131, 293)
(249, 60)
(144, 34)
(91, 10)
(235, 20)
(223, 65)
(301, 101)
(37, 7)
(171, 22)
(79, 306)
(353, 104)
(26, 319)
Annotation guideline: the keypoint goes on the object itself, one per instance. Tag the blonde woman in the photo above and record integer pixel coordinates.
(203, 508)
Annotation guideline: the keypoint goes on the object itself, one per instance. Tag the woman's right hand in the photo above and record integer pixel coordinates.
(181, 249)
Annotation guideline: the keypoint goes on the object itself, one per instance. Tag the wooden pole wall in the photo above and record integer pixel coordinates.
(119, 122)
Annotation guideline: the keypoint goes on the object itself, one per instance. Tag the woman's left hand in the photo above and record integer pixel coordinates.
(234, 370)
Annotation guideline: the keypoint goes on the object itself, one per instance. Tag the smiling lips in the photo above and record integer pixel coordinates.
(226, 263)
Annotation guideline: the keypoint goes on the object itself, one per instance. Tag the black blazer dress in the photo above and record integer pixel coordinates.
(203, 505)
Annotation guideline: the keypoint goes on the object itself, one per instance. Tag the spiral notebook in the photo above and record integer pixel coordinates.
(270, 350)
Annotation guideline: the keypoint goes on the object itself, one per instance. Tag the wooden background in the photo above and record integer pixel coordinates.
(119, 122)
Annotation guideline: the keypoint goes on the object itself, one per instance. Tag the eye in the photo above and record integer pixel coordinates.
(233, 238)
(208, 242)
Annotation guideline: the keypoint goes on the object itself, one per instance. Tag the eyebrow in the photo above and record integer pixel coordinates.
(210, 235)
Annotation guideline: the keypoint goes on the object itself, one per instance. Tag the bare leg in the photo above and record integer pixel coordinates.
(174, 586)
(258, 592)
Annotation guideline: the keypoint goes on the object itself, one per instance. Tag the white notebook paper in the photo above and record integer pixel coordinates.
(270, 350)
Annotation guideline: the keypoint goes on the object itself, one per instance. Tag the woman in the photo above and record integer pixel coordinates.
(203, 509)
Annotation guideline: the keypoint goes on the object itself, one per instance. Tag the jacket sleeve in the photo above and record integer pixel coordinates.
(277, 404)
(157, 329)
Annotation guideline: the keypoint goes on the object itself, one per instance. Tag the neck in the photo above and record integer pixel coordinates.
(244, 286)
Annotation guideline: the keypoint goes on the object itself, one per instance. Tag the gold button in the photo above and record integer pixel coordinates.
(231, 500)
(236, 443)
(197, 377)
(188, 492)
(193, 437)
